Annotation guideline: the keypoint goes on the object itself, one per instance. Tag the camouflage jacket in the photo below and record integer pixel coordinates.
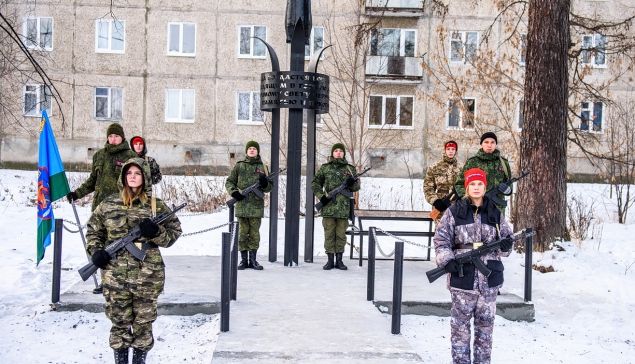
(440, 178)
(154, 166)
(329, 176)
(106, 168)
(463, 223)
(245, 174)
(112, 220)
(491, 164)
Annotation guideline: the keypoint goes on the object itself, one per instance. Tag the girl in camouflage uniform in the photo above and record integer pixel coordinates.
(336, 210)
(138, 145)
(440, 177)
(473, 220)
(131, 287)
(249, 209)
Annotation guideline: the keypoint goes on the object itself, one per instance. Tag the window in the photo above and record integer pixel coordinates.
(523, 50)
(317, 42)
(36, 98)
(181, 39)
(521, 115)
(179, 106)
(392, 111)
(463, 46)
(591, 117)
(393, 42)
(110, 36)
(249, 47)
(38, 33)
(108, 103)
(594, 50)
(461, 113)
(248, 107)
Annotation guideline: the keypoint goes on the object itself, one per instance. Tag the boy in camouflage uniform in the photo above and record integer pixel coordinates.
(489, 159)
(106, 167)
(249, 209)
(440, 177)
(336, 209)
(138, 145)
(131, 287)
(470, 221)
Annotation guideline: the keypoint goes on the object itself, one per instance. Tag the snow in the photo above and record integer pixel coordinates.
(584, 309)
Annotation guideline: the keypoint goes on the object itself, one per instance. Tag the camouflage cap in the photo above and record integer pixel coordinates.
(115, 128)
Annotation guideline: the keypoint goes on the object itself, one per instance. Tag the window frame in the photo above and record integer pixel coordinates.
(251, 42)
(520, 115)
(38, 112)
(591, 56)
(251, 121)
(25, 30)
(464, 45)
(311, 47)
(522, 54)
(461, 125)
(109, 103)
(180, 52)
(402, 42)
(110, 25)
(591, 109)
(180, 119)
(397, 124)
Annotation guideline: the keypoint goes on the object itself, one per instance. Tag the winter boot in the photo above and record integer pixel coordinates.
(243, 263)
(338, 262)
(139, 356)
(121, 356)
(329, 265)
(253, 263)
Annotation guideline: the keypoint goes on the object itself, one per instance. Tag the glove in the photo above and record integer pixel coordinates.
(100, 259)
(452, 267)
(439, 205)
(350, 182)
(238, 196)
(507, 243)
(149, 228)
(264, 182)
(504, 189)
(72, 196)
(324, 200)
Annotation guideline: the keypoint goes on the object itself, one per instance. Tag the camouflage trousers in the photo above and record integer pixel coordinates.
(334, 234)
(480, 304)
(248, 233)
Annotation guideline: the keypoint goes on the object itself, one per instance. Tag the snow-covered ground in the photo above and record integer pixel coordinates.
(584, 310)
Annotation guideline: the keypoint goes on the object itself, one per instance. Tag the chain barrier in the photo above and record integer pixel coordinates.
(393, 236)
(210, 229)
(82, 227)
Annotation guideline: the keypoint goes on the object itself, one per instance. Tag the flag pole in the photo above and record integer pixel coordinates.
(81, 233)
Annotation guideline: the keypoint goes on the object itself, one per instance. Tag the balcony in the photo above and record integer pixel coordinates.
(394, 7)
(396, 69)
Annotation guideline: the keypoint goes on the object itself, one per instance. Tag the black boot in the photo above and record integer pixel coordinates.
(121, 356)
(243, 263)
(139, 356)
(253, 263)
(338, 262)
(329, 265)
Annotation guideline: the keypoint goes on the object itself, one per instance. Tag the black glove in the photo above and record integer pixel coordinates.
(149, 228)
(264, 182)
(452, 267)
(100, 259)
(72, 196)
(504, 189)
(350, 182)
(238, 196)
(439, 205)
(507, 243)
(324, 200)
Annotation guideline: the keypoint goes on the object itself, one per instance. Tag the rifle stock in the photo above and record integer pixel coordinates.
(340, 189)
(253, 188)
(447, 200)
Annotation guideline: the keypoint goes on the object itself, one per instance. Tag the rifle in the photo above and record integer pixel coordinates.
(340, 189)
(505, 189)
(254, 188)
(473, 257)
(127, 242)
(447, 200)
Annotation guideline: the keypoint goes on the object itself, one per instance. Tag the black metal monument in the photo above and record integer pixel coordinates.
(295, 90)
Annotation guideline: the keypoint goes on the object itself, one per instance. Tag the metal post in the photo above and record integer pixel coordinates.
(361, 244)
(397, 284)
(273, 196)
(231, 215)
(309, 199)
(370, 285)
(529, 250)
(234, 261)
(57, 261)
(225, 276)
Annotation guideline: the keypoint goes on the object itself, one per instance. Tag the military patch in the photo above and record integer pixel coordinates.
(118, 163)
(258, 170)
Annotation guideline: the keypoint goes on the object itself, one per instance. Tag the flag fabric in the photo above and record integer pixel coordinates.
(51, 184)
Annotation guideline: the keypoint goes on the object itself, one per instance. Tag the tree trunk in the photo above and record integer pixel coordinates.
(542, 196)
